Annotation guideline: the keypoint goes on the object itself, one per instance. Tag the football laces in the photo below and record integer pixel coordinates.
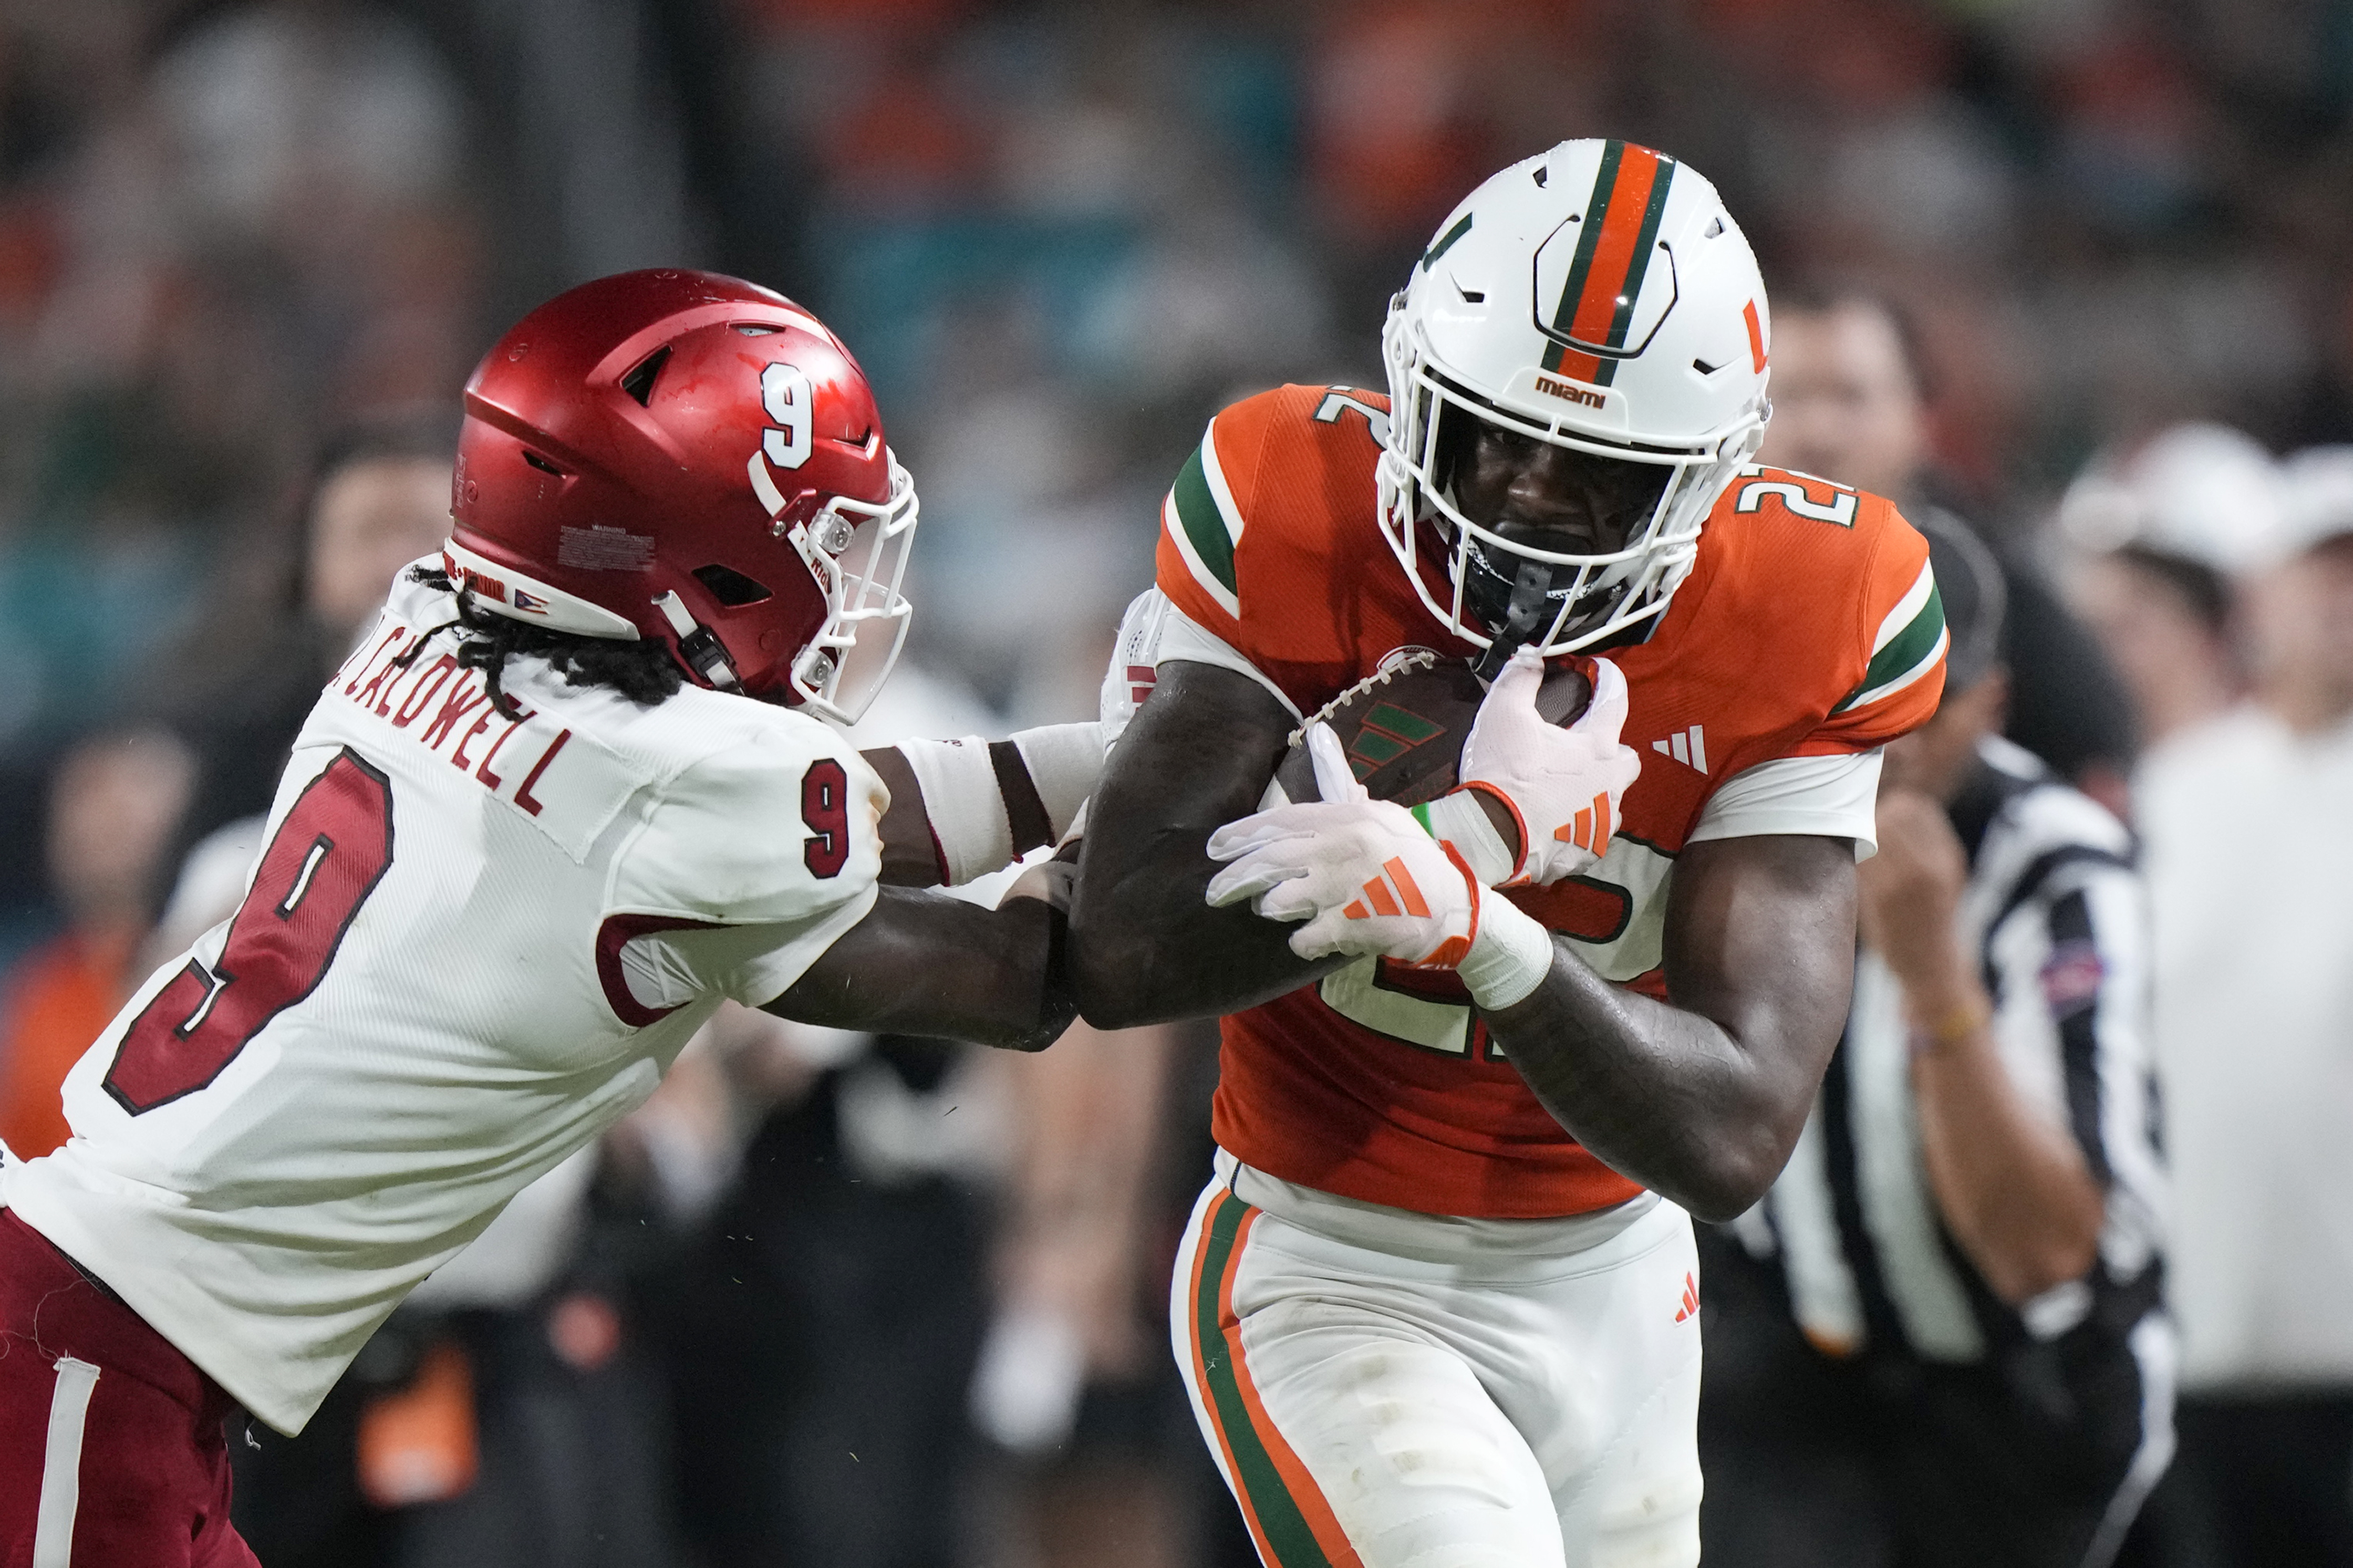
(1391, 668)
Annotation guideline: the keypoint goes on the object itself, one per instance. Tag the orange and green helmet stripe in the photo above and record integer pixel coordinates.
(1614, 247)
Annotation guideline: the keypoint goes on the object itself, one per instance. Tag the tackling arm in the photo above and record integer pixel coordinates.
(961, 809)
(1144, 947)
(1703, 1100)
(924, 963)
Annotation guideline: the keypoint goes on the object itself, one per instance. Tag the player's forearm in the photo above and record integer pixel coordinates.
(1668, 1098)
(1704, 1100)
(961, 809)
(2014, 1189)
(1146, 949)
(924, 963)
(1143, 948)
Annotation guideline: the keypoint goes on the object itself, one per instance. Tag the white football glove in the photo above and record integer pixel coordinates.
(1362, 873)
(1564, 783)
(1369, 880)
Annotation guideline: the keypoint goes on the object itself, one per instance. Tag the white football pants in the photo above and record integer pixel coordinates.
(1384, 1389)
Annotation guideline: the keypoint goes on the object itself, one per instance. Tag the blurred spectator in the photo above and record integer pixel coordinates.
(377, 497)
(1073, 1374)
(221, 226)
(825, 1329)
(1939, 1340)
(2162, 534)
(1066, 1301)
(825, 1320)
(2299, 635)
(315, 145)
(114, 807)
(1851, 402)
(2248, 820)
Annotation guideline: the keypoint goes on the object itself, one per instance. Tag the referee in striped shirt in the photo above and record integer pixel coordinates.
(1940, 1339)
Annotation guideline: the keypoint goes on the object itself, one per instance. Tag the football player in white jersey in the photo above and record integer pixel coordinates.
(572, 790)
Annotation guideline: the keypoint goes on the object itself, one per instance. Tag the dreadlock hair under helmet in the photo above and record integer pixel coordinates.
(644, 672)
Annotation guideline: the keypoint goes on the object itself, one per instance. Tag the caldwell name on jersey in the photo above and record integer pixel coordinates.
(470, 943)
(1808, 634)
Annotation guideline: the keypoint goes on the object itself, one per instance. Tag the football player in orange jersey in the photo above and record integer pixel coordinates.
(1439, 1302)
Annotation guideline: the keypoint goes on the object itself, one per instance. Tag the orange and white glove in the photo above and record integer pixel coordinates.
(1368, 880)
(1562, 783)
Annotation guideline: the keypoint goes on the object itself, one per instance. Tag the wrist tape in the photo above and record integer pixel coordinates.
(990, 801)
(1509, 957)
(961, 798)
(1459, 820)
(1063, 761)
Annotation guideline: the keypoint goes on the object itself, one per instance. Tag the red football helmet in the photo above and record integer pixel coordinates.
(695, 459)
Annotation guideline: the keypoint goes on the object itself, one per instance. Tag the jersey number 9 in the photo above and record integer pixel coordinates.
(824, 808)
(324, 861)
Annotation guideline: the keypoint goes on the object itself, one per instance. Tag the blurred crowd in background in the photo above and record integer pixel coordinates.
(887, 1303)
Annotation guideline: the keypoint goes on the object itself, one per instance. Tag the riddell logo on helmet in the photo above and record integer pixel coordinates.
(1567, 394)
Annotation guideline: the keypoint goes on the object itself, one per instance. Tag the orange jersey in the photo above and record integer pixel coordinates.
(1809, 627)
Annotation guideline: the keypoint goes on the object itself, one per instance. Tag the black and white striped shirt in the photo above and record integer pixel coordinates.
(2057, 918)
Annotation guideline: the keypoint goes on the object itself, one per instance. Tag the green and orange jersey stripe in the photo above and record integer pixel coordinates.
(1287, 1515)
(1613, 254)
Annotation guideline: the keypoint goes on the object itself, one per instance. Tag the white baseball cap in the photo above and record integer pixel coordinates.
(2203, 493)
(2316, 487)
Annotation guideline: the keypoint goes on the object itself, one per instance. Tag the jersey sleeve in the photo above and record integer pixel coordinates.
(1834, 796)
(1205, 515)
(1154, 632)
(1904, 674)
(751, 864)
(1264, 539)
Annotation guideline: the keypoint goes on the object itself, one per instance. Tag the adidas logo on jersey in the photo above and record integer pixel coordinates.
(1691, 1300)
(1688, 747)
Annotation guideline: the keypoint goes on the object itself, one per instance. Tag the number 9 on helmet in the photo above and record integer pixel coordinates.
(693, 459)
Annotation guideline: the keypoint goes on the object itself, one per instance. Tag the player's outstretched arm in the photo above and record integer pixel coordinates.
(961, 809)
(1144, 947)
(924, 963)
(1702, 1100)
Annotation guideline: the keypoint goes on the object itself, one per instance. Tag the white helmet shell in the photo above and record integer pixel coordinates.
(1597, 297)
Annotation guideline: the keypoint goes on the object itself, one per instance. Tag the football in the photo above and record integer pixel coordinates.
(1403, 727)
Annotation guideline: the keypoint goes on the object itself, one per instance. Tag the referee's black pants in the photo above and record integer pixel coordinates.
(1884, 1461)
(2263, 1480)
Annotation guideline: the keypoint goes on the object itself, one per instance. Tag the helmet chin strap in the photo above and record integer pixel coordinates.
(1528, 612)
(699, 642)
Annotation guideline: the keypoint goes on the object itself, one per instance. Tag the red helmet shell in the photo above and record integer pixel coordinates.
(609, 455)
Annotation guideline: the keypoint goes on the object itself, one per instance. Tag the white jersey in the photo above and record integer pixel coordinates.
(469, 945)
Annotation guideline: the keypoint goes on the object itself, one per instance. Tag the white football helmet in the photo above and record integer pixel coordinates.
(1599, 297)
